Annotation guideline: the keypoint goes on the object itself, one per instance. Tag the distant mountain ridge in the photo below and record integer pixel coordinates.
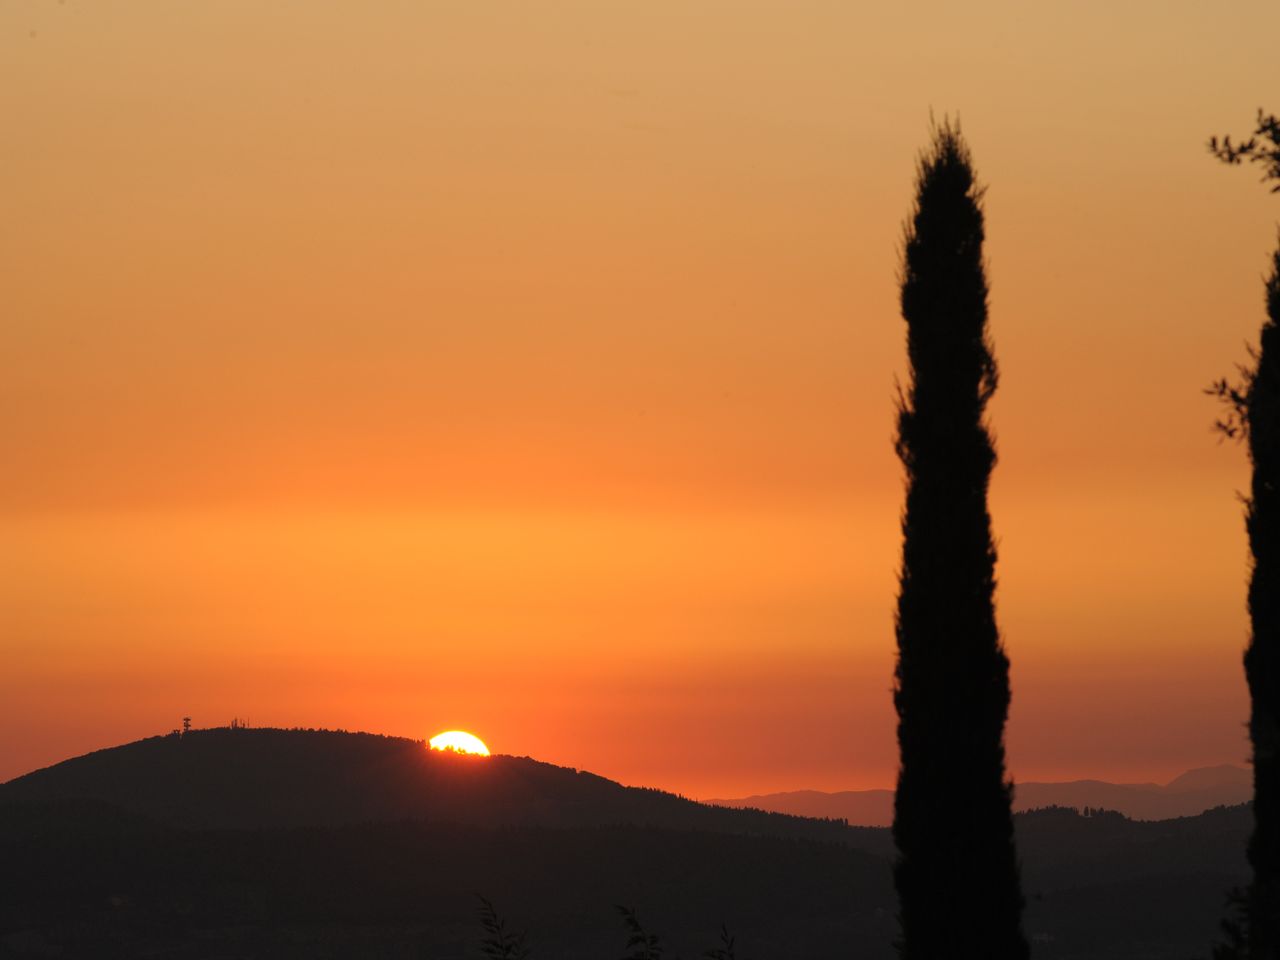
(1186, 795)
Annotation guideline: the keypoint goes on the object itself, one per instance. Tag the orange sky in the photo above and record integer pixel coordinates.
(528, 369)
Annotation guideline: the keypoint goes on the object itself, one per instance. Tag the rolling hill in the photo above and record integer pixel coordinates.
(256, 778)
(293, 844)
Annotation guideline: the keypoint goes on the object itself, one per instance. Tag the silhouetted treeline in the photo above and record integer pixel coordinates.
(1254, 414)
(376, 890)
(957, 872)
(89, 881)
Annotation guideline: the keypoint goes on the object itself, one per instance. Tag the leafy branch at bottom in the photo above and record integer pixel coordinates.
(500, 944)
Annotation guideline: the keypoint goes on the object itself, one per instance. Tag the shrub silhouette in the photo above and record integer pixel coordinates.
(725, 951)
(498, 943)
(641, 945)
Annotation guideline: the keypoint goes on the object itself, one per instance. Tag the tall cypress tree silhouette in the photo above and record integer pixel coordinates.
(957, 870)
(1254, 414)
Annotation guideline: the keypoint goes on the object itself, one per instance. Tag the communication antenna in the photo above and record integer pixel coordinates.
(186, 725)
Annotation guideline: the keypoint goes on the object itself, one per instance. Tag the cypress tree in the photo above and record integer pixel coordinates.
(957, 870)
(1262, 656)
(1254, 414)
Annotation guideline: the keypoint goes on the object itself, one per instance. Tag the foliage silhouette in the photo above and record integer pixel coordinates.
(726, 949)
(498, 943)
(641, 945)
(1253, 415)
(1234, 928)
(957, 871)
(1263, 146)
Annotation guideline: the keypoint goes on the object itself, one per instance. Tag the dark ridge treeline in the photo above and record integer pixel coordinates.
(1254, 415)
(957, 870)
(83, 879)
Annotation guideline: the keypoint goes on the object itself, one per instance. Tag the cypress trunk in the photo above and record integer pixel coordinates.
(957, 871)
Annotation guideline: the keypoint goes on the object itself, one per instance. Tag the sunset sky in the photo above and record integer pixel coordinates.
(527, 368)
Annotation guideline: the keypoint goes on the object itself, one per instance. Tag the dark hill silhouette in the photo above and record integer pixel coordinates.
(253, 778)
(81, 878)
(1187, 795)
(304, 843)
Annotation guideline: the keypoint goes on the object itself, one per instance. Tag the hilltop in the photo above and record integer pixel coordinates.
(256, 778)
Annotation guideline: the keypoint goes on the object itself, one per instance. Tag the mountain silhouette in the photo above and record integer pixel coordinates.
(1186, 795)
(253, 778)
(306, 843)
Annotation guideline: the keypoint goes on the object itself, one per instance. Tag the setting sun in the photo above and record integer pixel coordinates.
(458, 741)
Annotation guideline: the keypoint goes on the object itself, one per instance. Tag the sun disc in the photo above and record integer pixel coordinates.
(459, 741)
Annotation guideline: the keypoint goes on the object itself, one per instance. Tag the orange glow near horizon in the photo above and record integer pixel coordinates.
(532, 366)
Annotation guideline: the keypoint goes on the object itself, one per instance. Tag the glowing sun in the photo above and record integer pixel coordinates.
(459, 742)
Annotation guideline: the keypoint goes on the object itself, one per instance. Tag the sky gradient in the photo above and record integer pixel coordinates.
(528, 369)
